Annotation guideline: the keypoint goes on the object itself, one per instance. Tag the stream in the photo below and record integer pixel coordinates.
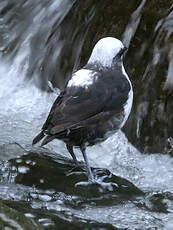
(41, 44)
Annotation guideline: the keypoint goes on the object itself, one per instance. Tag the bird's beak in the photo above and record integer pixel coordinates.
(122, 51)
(119, 56)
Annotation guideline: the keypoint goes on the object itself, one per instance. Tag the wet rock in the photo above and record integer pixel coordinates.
(54, 192)
(12, 219)
(44, 172)
(55, 183)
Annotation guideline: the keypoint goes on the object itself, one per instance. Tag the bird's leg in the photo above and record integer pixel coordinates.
(90, 174)
(70, 149)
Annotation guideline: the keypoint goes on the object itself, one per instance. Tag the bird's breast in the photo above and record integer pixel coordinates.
(128, 104)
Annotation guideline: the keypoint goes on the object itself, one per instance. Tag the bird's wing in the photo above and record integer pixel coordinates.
(56, 103)
(41, 135)
(78, 104)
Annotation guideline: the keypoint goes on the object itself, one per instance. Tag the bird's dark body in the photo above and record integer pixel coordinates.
(95, 103)
(86, 115)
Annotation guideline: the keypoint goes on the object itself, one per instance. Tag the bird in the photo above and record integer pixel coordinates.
(94, 104)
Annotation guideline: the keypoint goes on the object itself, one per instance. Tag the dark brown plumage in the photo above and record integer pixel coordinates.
(84, 114)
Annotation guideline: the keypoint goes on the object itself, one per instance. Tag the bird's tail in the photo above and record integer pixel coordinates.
(47, 139)
(38, 138)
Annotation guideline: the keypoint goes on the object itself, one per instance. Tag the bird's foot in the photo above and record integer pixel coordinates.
(98, 181)
(100, 186)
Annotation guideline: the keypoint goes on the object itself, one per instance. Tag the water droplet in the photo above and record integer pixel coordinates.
(28, 162)
(23, 169)
(19, 160)
(13, 168)
(41, 180)
(46, 222)
(33, 163)
(45, 197)
(29, 215)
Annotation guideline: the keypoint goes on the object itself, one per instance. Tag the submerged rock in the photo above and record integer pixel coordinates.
(12, 219)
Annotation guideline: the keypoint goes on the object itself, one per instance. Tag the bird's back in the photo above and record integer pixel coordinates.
(88, 113)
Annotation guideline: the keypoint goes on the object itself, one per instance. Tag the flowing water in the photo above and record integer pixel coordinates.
(41, 43)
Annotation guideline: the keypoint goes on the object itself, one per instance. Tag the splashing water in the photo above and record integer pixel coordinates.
(39, 183)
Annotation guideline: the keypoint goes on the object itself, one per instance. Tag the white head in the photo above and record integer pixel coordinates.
(105, 50)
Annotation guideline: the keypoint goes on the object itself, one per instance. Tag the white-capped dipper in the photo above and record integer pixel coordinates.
(95, 103)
